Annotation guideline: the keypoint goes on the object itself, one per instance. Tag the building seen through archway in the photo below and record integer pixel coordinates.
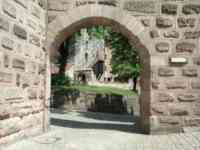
(102, 59)
(90, 56)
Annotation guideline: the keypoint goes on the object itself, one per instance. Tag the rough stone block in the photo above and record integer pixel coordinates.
(178, 111)
(164, 97)
(190, 72)
(9, 9)
(23, 3)
(169, 9)
(176, 84)
(195, 84)
(42, 94)
(12, 93)
(41, 69)
(190, 9)
(159, 109)
(196, 109)
(155, 84)
(108, 3)
(169, 120)
(32, 24)
(171, 34)
(34, 40)
(32, 93)
(141, 6)
(192, 121)
(6, 77)
(186, 22)
(4, 24)
(196, 60)
(188, 97)
(25, 80)
(162, 47)
(36, 80)
(42, 3)
(154, 34)
(32, 67)
(164, 22)
(18, 64)
(9, 126)
(166, 72)
(18, 80)
(20, 32)
(6, 61)
(146, 22)
(35, 11)
(192, 35)
(7, 43)
(4, 112)
(185, 47)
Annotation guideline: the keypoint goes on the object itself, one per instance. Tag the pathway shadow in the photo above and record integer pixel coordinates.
(124, 126)
(110, 117)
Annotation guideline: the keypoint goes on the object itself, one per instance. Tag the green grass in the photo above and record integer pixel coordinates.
(101, 90)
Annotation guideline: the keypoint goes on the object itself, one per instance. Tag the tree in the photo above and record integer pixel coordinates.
(125, 59)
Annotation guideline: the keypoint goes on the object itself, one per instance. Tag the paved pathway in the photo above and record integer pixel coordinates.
(89, 131)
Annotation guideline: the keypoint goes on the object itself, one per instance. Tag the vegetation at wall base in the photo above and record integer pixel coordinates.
(60, 80)
(94, 89)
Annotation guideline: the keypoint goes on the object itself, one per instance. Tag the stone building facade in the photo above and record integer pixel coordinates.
(22, 69)
(83, 54)
(166, 32)
(89, 56)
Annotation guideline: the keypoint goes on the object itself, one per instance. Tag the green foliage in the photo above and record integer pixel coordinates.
(125, 59)
(60, 80)
(99, 89)
(99, 32)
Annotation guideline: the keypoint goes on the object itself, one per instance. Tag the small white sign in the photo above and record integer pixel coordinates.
(178, 60)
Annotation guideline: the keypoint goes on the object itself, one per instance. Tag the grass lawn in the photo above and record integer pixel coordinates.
(101, 90)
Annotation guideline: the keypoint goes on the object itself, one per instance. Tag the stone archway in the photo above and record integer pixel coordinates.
(166, 32)
(85, 16)
(168, 101)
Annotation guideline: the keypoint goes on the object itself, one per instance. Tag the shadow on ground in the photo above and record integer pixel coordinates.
(110, 117)
(113, 122)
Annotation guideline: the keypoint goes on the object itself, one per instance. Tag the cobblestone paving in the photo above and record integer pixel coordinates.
(79, 131)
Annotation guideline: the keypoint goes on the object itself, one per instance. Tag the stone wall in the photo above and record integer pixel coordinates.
(74, 100)
(171, 34)
(22, 69)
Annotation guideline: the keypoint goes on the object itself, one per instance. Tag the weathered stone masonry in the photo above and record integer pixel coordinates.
(170, 33)
(22, 57)
(166, 32)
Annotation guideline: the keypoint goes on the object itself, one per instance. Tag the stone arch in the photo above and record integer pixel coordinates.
(84, 16)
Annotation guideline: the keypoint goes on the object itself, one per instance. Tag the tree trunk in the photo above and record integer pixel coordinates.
(63, 59)
(135, 84)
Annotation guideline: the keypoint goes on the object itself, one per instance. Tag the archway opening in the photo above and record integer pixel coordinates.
(97, 68)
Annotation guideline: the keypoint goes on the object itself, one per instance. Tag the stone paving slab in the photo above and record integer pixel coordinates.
(74, 138)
